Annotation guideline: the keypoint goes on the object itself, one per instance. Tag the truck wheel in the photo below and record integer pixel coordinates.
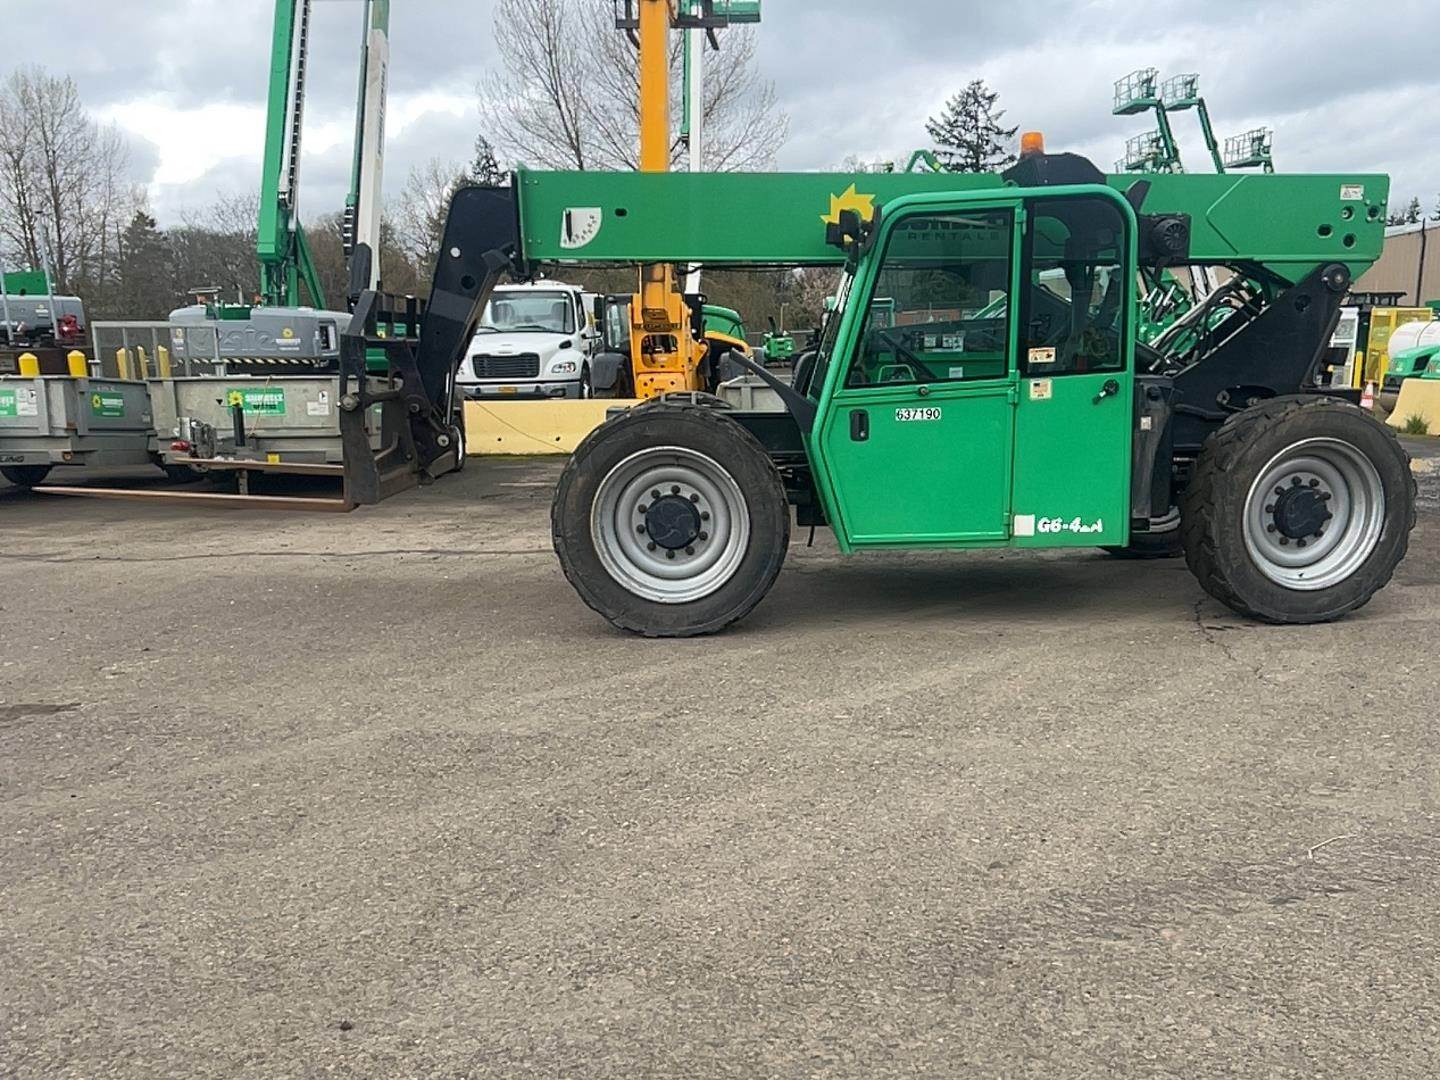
(671, 521)
(1299, 510)
(25, 476)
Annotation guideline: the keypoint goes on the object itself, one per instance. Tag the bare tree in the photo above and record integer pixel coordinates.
(215, 248)
(569, 95)
(419, 215)
(63, 191)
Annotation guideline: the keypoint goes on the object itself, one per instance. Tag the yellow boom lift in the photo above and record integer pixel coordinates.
(669, 344)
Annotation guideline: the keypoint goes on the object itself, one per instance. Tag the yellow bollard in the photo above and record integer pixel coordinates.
(142, 363)
(78, 365)
(162, 362)
(29, 365)
(122, 362)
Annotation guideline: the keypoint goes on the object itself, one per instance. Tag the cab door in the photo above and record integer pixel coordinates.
(1075, 416)
(917, 441)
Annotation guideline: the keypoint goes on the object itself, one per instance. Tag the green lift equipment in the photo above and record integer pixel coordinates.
(1005, 401)
(285, 260)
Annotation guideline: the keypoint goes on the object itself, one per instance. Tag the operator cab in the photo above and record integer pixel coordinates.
(975, 383)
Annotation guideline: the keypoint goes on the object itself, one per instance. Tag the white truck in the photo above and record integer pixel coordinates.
(535, 341)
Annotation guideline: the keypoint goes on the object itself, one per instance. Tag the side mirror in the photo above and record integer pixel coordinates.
(849, 232)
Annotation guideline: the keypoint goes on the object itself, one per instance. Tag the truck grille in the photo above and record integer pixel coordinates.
(523, 366)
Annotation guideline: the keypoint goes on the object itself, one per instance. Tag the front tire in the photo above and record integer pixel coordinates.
(25, 476)
(1299, 510)
(671, 521)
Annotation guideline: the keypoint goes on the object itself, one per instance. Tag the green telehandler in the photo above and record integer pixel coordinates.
(1005, 399)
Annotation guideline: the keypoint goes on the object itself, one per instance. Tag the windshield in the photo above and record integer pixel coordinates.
(828, 334)
(528, 312)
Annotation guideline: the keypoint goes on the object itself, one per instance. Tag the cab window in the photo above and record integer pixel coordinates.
(1076, 289)
(940, 309)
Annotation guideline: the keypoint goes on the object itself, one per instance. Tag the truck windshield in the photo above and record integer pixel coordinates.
(529, 312)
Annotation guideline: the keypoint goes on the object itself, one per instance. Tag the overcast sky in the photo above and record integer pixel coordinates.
(1345, 86)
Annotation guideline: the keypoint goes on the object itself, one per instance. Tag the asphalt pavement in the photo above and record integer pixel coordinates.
(376, 795)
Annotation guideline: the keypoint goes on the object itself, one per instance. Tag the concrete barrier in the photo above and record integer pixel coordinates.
(1418, 397)
(531, 427)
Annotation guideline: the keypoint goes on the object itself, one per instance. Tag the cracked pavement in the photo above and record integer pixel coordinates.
(376, 795)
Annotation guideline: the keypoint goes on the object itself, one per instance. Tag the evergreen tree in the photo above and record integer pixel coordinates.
(485, 166)
(968, 133)
(146, 291)
(1413, 213)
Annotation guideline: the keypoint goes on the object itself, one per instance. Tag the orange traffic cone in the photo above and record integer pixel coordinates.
(1367, 399)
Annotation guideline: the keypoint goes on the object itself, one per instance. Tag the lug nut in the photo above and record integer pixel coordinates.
(1314, 483)
(640, 529)
(642, 509)
(689, 551)
(704, 515)
(1325, 496)
(1299, 543)
(674, 489)
(1270, 509)
(1284, 541)
(694, 498)
(655, 494)
(704, 536)
(1270, 528)
(1295, 481)
(1319, 534)
(669, 554)
(650, 546)
(1279, 491)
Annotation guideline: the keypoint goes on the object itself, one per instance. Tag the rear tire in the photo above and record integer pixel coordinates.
(25, 476)
(1299, 510)
(692, 561)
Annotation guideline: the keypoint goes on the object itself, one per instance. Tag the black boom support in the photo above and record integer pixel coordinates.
(423, 345)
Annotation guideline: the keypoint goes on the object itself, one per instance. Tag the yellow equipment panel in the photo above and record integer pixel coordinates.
(532, 427)
(1383, 323)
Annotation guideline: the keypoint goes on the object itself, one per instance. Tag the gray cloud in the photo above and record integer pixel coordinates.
(856, 77)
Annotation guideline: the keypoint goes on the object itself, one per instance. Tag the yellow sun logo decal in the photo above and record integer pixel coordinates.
(864, 205)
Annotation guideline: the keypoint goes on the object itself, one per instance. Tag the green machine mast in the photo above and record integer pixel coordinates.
(285, 259)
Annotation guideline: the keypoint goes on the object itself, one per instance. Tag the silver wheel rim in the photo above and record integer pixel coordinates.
(1348, 487)
(682, 478)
